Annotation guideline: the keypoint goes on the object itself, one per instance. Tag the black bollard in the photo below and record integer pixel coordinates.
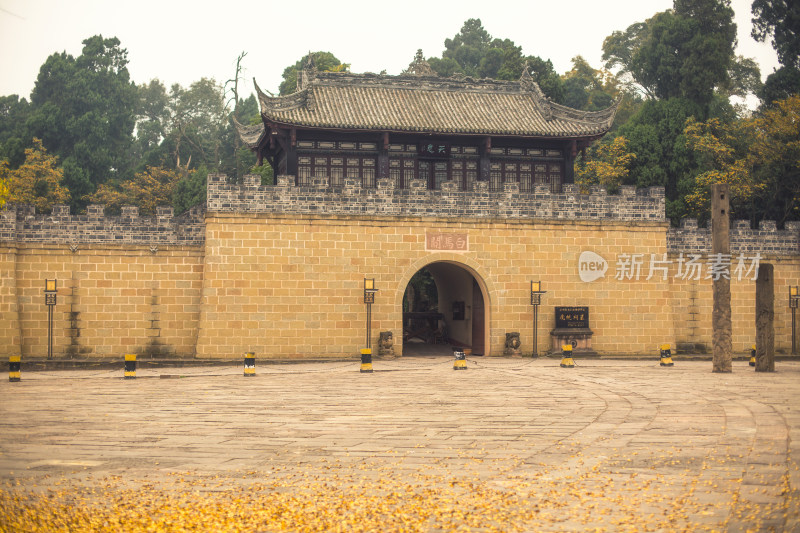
(366, 361)
(130, 366)
(666, 355)
(566, 356)
(14, 368)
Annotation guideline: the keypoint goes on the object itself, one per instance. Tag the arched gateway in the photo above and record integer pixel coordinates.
(460, 314)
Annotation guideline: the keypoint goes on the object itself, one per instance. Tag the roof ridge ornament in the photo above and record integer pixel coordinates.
(542, 101)
(309, 72)
(528, 84)
(526, 80)
(419, 67)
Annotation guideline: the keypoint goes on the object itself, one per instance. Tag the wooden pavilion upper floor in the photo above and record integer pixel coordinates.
(421, 126)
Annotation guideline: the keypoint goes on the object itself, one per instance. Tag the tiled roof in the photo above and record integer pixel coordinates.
(430, 104)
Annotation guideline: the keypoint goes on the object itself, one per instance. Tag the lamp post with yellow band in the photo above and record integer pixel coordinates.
(794, 301)
(369, 299)
(50, 297)
(536, 301)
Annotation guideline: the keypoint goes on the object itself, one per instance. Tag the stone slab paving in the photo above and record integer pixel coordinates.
(606, 444)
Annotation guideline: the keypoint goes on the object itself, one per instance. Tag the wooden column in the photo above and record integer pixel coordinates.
(721, 286)
(570, 153)
(765, 318)
(291, 156)
(484, 166)
(383, 157)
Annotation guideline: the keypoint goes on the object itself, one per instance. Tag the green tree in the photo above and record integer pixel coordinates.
(197, 123)
(758, 156)
(468, 47)
(323, 61)
(5, 192)
(780, 85)
(655, 134)
(153, 120)
(780, 21)
(608, 165)
(587, 88)
(190, 190)
(149, 189)
(38, 181)
(474, 52)
(183, 126)
(686, 52)
(683, 61)
(14, 137)
(84, 112)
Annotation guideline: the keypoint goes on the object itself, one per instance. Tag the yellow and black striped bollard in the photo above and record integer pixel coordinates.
(753, 355)
(14, 368)
(566, 356)
(666, 355)
(249, 364)
(130, 366)
(366, 360)
(460, 361)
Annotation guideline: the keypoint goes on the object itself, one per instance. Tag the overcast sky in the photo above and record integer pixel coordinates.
(181, 42)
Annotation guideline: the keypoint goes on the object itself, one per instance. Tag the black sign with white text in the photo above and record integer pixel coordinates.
(572, 317)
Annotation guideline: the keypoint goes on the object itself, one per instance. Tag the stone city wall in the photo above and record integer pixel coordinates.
(126, 284)
(22, 224)
(767, 239)
(417, 200)
(279, 270)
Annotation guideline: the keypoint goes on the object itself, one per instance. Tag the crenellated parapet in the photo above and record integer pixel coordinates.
(635, 205)
(21, 224)
(766, 240)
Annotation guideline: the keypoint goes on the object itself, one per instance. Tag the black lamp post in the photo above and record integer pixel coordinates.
(536, 300)
(369, 299)
(794, 301)
(50, 296)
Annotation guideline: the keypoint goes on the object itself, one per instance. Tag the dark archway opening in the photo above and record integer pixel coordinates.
(443, 307)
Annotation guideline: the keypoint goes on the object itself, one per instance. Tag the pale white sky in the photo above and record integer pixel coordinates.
(181, 41)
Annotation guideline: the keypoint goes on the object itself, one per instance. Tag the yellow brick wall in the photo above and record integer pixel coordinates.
(9, 309)
(292, 286)
(285, 286)
(121, 299)
(693, 303)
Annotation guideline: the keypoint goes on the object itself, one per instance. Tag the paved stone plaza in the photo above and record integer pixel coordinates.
(509, 445)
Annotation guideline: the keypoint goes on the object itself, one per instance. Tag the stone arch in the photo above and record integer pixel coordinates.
(469, 265)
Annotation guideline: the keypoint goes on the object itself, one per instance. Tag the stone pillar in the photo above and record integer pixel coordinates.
(765, 317)
(721, 286)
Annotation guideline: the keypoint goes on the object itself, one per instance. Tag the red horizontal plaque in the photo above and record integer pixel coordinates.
(458, 242)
